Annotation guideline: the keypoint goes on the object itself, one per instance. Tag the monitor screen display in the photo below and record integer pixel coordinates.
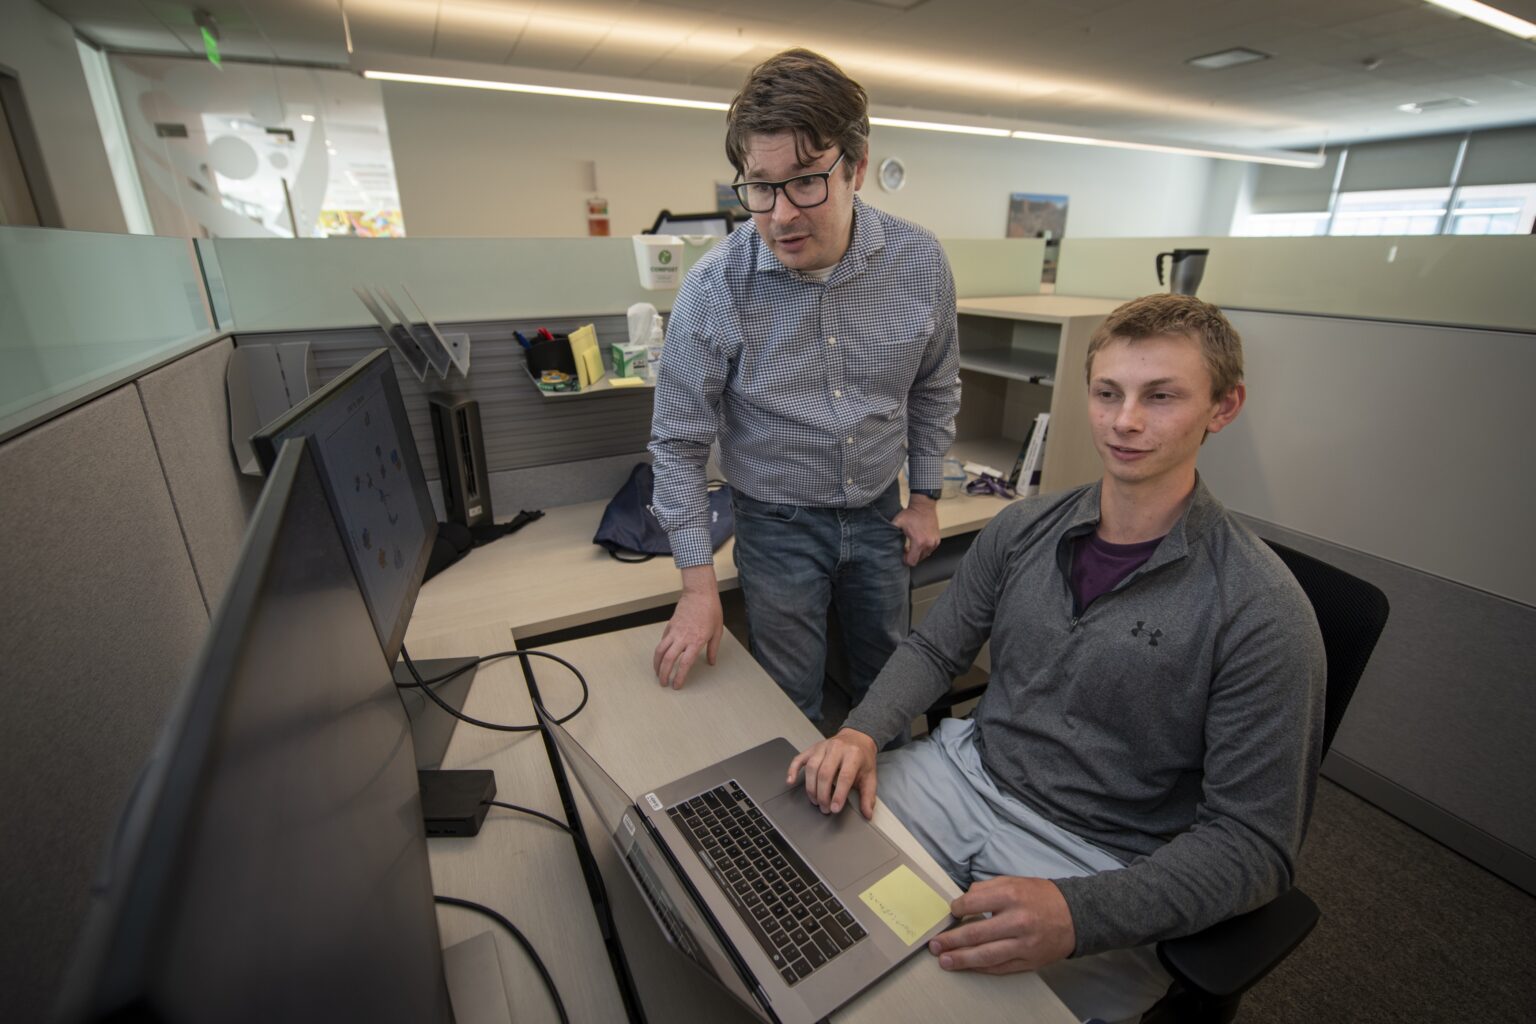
(272, 865)
(368, 459)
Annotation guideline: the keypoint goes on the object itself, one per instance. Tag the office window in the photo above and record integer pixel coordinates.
(1401, 211)
(1494, 210)
(1277, 225)
(256, 151)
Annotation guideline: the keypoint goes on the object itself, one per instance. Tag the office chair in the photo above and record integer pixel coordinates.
(1213, 968)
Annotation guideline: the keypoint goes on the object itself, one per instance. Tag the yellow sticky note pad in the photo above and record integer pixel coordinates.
(627, 382)
(907, 904)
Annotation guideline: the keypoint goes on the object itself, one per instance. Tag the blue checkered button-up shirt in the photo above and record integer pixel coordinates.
(817, 391)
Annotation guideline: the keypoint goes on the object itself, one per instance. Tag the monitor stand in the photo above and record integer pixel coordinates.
(475, 986)
(431, 726)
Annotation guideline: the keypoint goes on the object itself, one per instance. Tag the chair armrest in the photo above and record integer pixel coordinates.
(1228, 958)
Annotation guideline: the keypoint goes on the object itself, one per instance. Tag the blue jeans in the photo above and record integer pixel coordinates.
(794, 562)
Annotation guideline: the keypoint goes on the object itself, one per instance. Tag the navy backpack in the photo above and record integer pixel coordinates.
(629, 529)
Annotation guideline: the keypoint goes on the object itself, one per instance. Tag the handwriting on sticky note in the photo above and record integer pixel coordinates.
(907, 904)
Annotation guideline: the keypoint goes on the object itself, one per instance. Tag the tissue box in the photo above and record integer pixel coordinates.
(629, 359)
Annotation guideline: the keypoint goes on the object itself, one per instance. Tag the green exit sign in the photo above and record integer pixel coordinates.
(211, 47)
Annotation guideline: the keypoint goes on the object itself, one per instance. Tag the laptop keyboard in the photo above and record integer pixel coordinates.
(797, 920)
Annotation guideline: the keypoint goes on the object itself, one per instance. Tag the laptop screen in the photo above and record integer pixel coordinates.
(674, 909)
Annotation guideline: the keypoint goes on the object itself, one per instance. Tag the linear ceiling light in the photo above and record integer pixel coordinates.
(546, 90)
(1273, 157)
(936, 126)
(1306, 160)
(1490, 16)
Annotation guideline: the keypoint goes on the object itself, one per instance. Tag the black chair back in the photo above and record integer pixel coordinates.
(1351, 614)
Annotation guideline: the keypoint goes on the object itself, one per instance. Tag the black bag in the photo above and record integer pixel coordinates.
(629, 529)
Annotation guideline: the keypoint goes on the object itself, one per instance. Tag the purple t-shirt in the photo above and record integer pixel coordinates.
(1098, 565)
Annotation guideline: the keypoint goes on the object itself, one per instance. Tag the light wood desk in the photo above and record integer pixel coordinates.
(549, 575)
(644, 735)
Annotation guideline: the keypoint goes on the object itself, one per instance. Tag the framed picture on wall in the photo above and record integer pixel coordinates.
(1033, 215)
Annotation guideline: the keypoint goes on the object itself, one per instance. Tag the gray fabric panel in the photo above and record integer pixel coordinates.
(522, 428)
(189, 421)
(1447, 707)
(545, 487)
(102, 619)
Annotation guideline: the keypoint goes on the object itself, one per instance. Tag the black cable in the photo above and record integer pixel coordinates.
(426, 688)
(522, 940)
(562, 826)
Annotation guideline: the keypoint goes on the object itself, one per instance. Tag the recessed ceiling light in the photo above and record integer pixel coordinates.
(1228, 58)
(1448, 103)
(310, 118)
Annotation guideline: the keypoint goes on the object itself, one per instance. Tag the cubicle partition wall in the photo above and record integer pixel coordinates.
(122, 518)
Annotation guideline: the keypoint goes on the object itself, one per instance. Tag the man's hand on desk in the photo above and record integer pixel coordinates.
(836, 765)
(1030, 927)
(694, 629)
(920, 522)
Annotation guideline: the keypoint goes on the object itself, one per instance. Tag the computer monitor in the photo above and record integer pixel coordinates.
(272, 864)
(714, 222)
(372, 472)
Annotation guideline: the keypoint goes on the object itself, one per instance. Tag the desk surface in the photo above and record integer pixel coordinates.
(550, 576)
(1047, 308)
(644, 735)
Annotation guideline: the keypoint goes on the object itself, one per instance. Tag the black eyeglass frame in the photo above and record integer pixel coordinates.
(783, 186)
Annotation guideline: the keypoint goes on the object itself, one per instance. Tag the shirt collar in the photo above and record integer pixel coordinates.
(868, 238)
(1203, 509)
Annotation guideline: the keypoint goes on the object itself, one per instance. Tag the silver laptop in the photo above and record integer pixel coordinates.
(792, 911)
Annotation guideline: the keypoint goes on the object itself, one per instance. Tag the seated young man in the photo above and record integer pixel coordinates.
(1142, 764)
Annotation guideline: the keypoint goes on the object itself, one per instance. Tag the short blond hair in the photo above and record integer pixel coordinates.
(1182, 316)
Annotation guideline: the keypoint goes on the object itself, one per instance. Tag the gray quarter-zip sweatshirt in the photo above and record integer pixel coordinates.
(1175, 722)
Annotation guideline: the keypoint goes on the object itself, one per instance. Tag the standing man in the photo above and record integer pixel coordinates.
(1142, 764)
(818, 345)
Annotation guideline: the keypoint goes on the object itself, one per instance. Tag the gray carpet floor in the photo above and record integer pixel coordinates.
(1410, 930)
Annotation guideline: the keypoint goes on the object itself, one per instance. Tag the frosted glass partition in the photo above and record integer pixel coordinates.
(1475, 282)
(995, 266)
(79, 310)
(283, 284)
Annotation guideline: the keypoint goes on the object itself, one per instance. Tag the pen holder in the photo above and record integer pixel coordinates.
(551, 355)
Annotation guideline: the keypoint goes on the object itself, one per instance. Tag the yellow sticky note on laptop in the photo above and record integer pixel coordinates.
(907, 904)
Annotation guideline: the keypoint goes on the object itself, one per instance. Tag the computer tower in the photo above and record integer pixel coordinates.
(461, 458)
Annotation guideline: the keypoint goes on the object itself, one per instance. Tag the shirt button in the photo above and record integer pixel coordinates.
(837, 393)
(849, 481)
(831, 341)
(850, 440)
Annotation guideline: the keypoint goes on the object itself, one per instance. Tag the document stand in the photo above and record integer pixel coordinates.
(431, 726)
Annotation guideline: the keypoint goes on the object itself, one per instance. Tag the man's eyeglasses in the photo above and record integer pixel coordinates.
(804, 191)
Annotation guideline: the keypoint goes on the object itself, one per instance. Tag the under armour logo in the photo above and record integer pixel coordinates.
(1142, 630)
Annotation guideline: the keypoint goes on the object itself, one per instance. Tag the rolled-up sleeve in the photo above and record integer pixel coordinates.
(935, 396)
(684, 422)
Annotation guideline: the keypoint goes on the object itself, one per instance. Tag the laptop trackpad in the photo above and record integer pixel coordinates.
(841, 847)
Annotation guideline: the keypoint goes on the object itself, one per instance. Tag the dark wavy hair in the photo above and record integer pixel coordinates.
(802, 92)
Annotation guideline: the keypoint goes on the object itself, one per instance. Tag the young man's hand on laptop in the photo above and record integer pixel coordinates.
(1030, 926)
(836, 765)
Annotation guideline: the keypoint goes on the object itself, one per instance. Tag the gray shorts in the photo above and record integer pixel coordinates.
(975, 831)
